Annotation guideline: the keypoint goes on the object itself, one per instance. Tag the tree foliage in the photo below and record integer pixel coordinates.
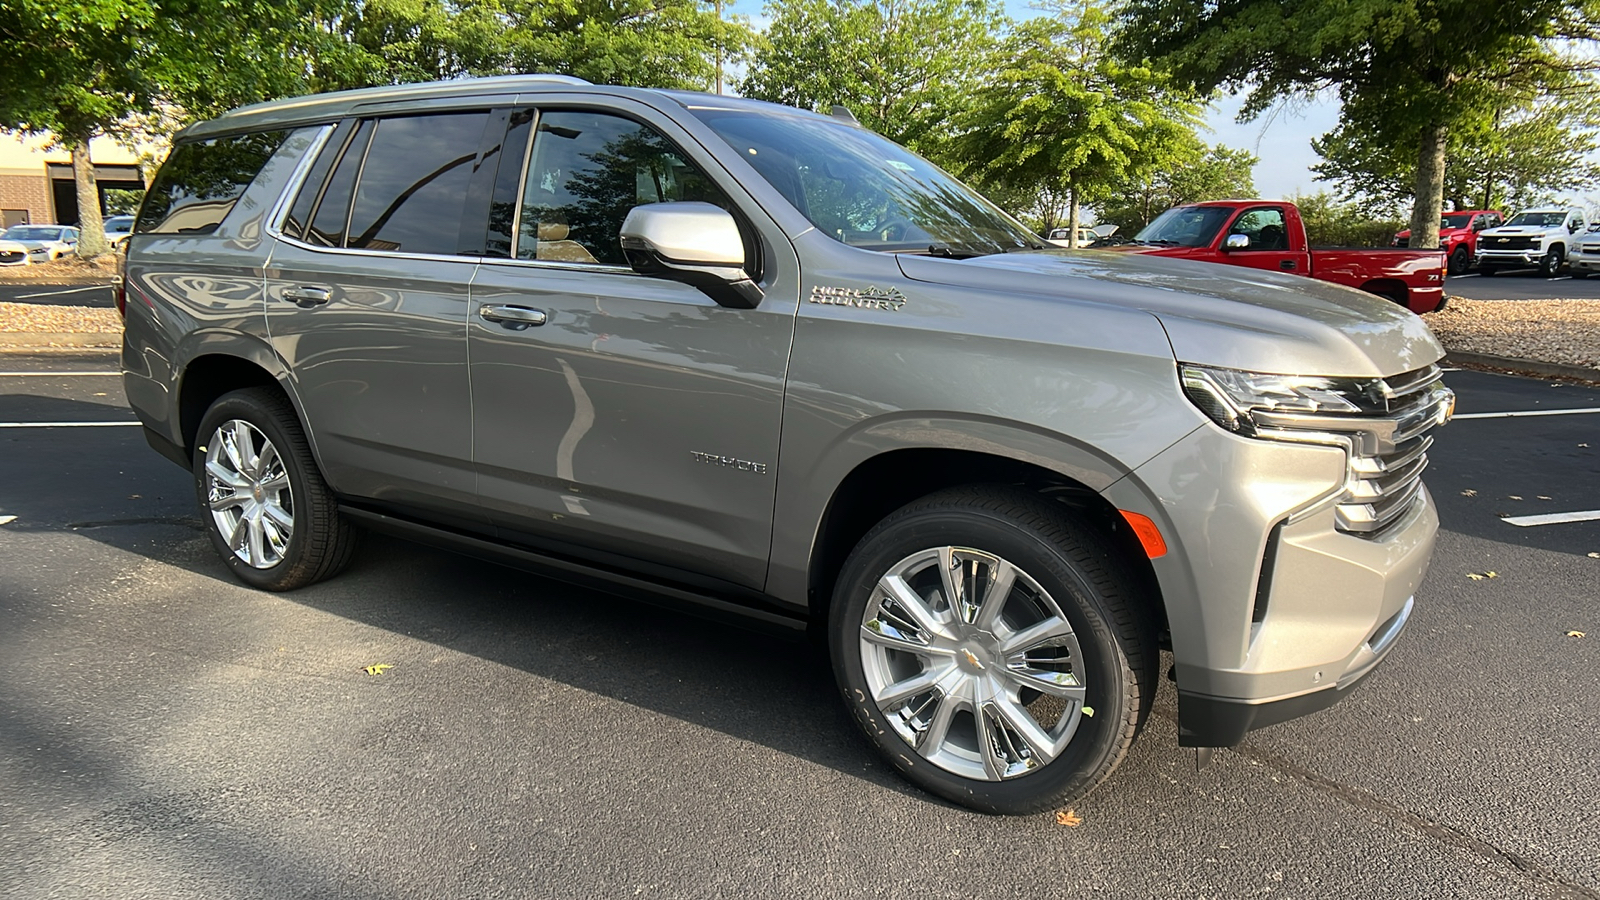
(1333, 223)
(905, 68)
(1523, 156)
(1064, 116)
(1195, 173)
(1408, 72)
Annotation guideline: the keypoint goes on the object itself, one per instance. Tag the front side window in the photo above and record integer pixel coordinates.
(1455, 220)
(202, 180)
(1264, 227)
(586, 172)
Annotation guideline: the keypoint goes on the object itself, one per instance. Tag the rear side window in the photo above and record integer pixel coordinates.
(333, 207)
(201, 180)
(414, 183)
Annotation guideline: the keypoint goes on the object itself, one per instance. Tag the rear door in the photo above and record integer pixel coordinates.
(637, 422)
(367, 303)
(1272, 244)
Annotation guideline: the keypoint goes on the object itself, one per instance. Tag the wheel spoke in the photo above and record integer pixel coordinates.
(925, 619)
(1021, 722)
(885, 634)
(993, 766)
(278, 516)
(257, 541)
(939, 726)
(269, 455)
(1002, 577)
(229, 502)
(1036, 634)
(1056, 684)
(230, 478)
(901, 691)
(950, 577)
(241, 528)
(275, 483)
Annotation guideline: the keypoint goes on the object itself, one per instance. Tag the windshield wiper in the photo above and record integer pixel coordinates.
(945, 251)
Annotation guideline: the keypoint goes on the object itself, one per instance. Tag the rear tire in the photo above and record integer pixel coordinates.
(1012, 708)
(273, 519)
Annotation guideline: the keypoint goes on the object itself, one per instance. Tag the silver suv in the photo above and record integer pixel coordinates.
(764, 363)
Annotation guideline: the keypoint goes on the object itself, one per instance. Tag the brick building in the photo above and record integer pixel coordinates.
(36, 180)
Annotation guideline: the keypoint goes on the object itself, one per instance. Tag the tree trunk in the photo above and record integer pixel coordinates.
(1072, 215)
(91, 229)
(1429, 188)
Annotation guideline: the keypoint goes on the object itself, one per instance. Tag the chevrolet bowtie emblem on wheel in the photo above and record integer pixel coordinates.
(972, 659)
(869, 297)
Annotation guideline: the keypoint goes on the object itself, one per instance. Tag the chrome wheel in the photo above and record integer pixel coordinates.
(972, 663)
(248, 493)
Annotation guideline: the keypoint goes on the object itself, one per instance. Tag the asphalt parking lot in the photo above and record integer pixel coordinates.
(165, 732)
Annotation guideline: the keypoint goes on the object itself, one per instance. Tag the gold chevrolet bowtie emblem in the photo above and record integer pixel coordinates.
(971, 659)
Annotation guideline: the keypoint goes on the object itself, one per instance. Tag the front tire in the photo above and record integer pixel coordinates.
(1460, 260)
(273, 519)
(994, 649)
(1550, 264)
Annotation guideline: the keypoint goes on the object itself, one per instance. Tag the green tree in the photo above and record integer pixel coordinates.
(1522, 156)
(905, 68)
(1332, 223)
(1064, 116)
(1407, 71)
(646, 43)
(1194, 173)
(79, 69)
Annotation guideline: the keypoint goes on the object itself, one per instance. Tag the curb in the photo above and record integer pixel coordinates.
(44, 340)
(1467, 360)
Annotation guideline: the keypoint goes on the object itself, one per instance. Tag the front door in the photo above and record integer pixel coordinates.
(1271, 246)
(626, 417)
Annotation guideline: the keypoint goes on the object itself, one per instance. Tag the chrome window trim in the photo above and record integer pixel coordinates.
(280, 210)
(559, 266)
(522, 177)
(355, 189)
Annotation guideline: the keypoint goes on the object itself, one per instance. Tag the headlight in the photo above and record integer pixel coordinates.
(1234, 399)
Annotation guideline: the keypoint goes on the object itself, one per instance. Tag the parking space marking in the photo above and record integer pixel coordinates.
(59, 374)
(1525, 413)
(1588, 515)
(65, 424)
(92, 287)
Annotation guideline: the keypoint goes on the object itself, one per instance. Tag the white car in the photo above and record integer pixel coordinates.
(1086, 235)
(1533, 237)
(118, 228)
(24, 244)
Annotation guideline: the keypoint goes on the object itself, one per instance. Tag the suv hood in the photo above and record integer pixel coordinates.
(1215, 315)
(1508, 230)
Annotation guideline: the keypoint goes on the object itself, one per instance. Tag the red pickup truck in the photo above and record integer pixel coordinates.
(1269, 234)
(1458, 235)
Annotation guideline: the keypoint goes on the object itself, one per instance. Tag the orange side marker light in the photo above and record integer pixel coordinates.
(1149, 535)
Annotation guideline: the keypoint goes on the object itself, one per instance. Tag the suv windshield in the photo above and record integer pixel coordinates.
(1185, 226)
(32, 233)
(864, 190)
(1539, 219)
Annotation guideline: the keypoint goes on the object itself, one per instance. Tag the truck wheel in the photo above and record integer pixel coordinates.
(1460, 259)
(993, 649)
(1551, 263)
(273, 519)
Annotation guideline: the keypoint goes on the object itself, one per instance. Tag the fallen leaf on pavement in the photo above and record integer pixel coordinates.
(1069, 818)
(7, 520)
(1479, 576)
(1575, 634)
(1515, 497)
(378, 669)
(1594, 556)
(1469, 493)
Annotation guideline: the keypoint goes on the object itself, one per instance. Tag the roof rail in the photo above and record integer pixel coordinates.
(551, 76)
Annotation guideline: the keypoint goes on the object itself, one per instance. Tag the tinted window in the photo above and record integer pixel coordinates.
(300, 213)
(1264, 227)
(503, 208)
(200, 182)
(414, 183)
(587, 171)
(333, 207)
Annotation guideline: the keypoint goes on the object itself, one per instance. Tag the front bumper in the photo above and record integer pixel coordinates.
(1510, 257)
(1583, 262)
(1274, 612)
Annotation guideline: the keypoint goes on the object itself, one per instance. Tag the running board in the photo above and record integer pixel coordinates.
(582, 574)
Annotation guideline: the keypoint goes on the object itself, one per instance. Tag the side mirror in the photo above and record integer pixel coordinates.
(1236, 242)
(696, 243)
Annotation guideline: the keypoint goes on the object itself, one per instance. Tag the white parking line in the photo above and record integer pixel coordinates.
(92, 287)
(58, 374)
(1588, 515)
(1525, 414)
(65, 424)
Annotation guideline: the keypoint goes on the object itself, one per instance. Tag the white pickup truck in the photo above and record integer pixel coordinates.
(1533, 237)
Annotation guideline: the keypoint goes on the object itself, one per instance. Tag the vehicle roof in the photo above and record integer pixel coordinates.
(315, 108)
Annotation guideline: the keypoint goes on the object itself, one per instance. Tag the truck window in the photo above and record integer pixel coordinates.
(1185, 226)
(587, 171)
(201, 180)
(1265, 228)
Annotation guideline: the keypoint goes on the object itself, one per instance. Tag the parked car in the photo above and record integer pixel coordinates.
(1269, 234)
(1533, 237)
(1585, 258)
(1458, 235)
(1087, 236)
(24, 244)
(118, 228)
(764, 363)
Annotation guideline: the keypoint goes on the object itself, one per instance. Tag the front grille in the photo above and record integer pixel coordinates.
(1510, 242)
(1590, 249)
(1386, 463)
(10, 256)
(1402, 242)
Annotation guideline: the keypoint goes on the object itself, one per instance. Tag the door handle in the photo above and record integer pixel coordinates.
(1286, 264)
(307, 297)
(514, 317)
